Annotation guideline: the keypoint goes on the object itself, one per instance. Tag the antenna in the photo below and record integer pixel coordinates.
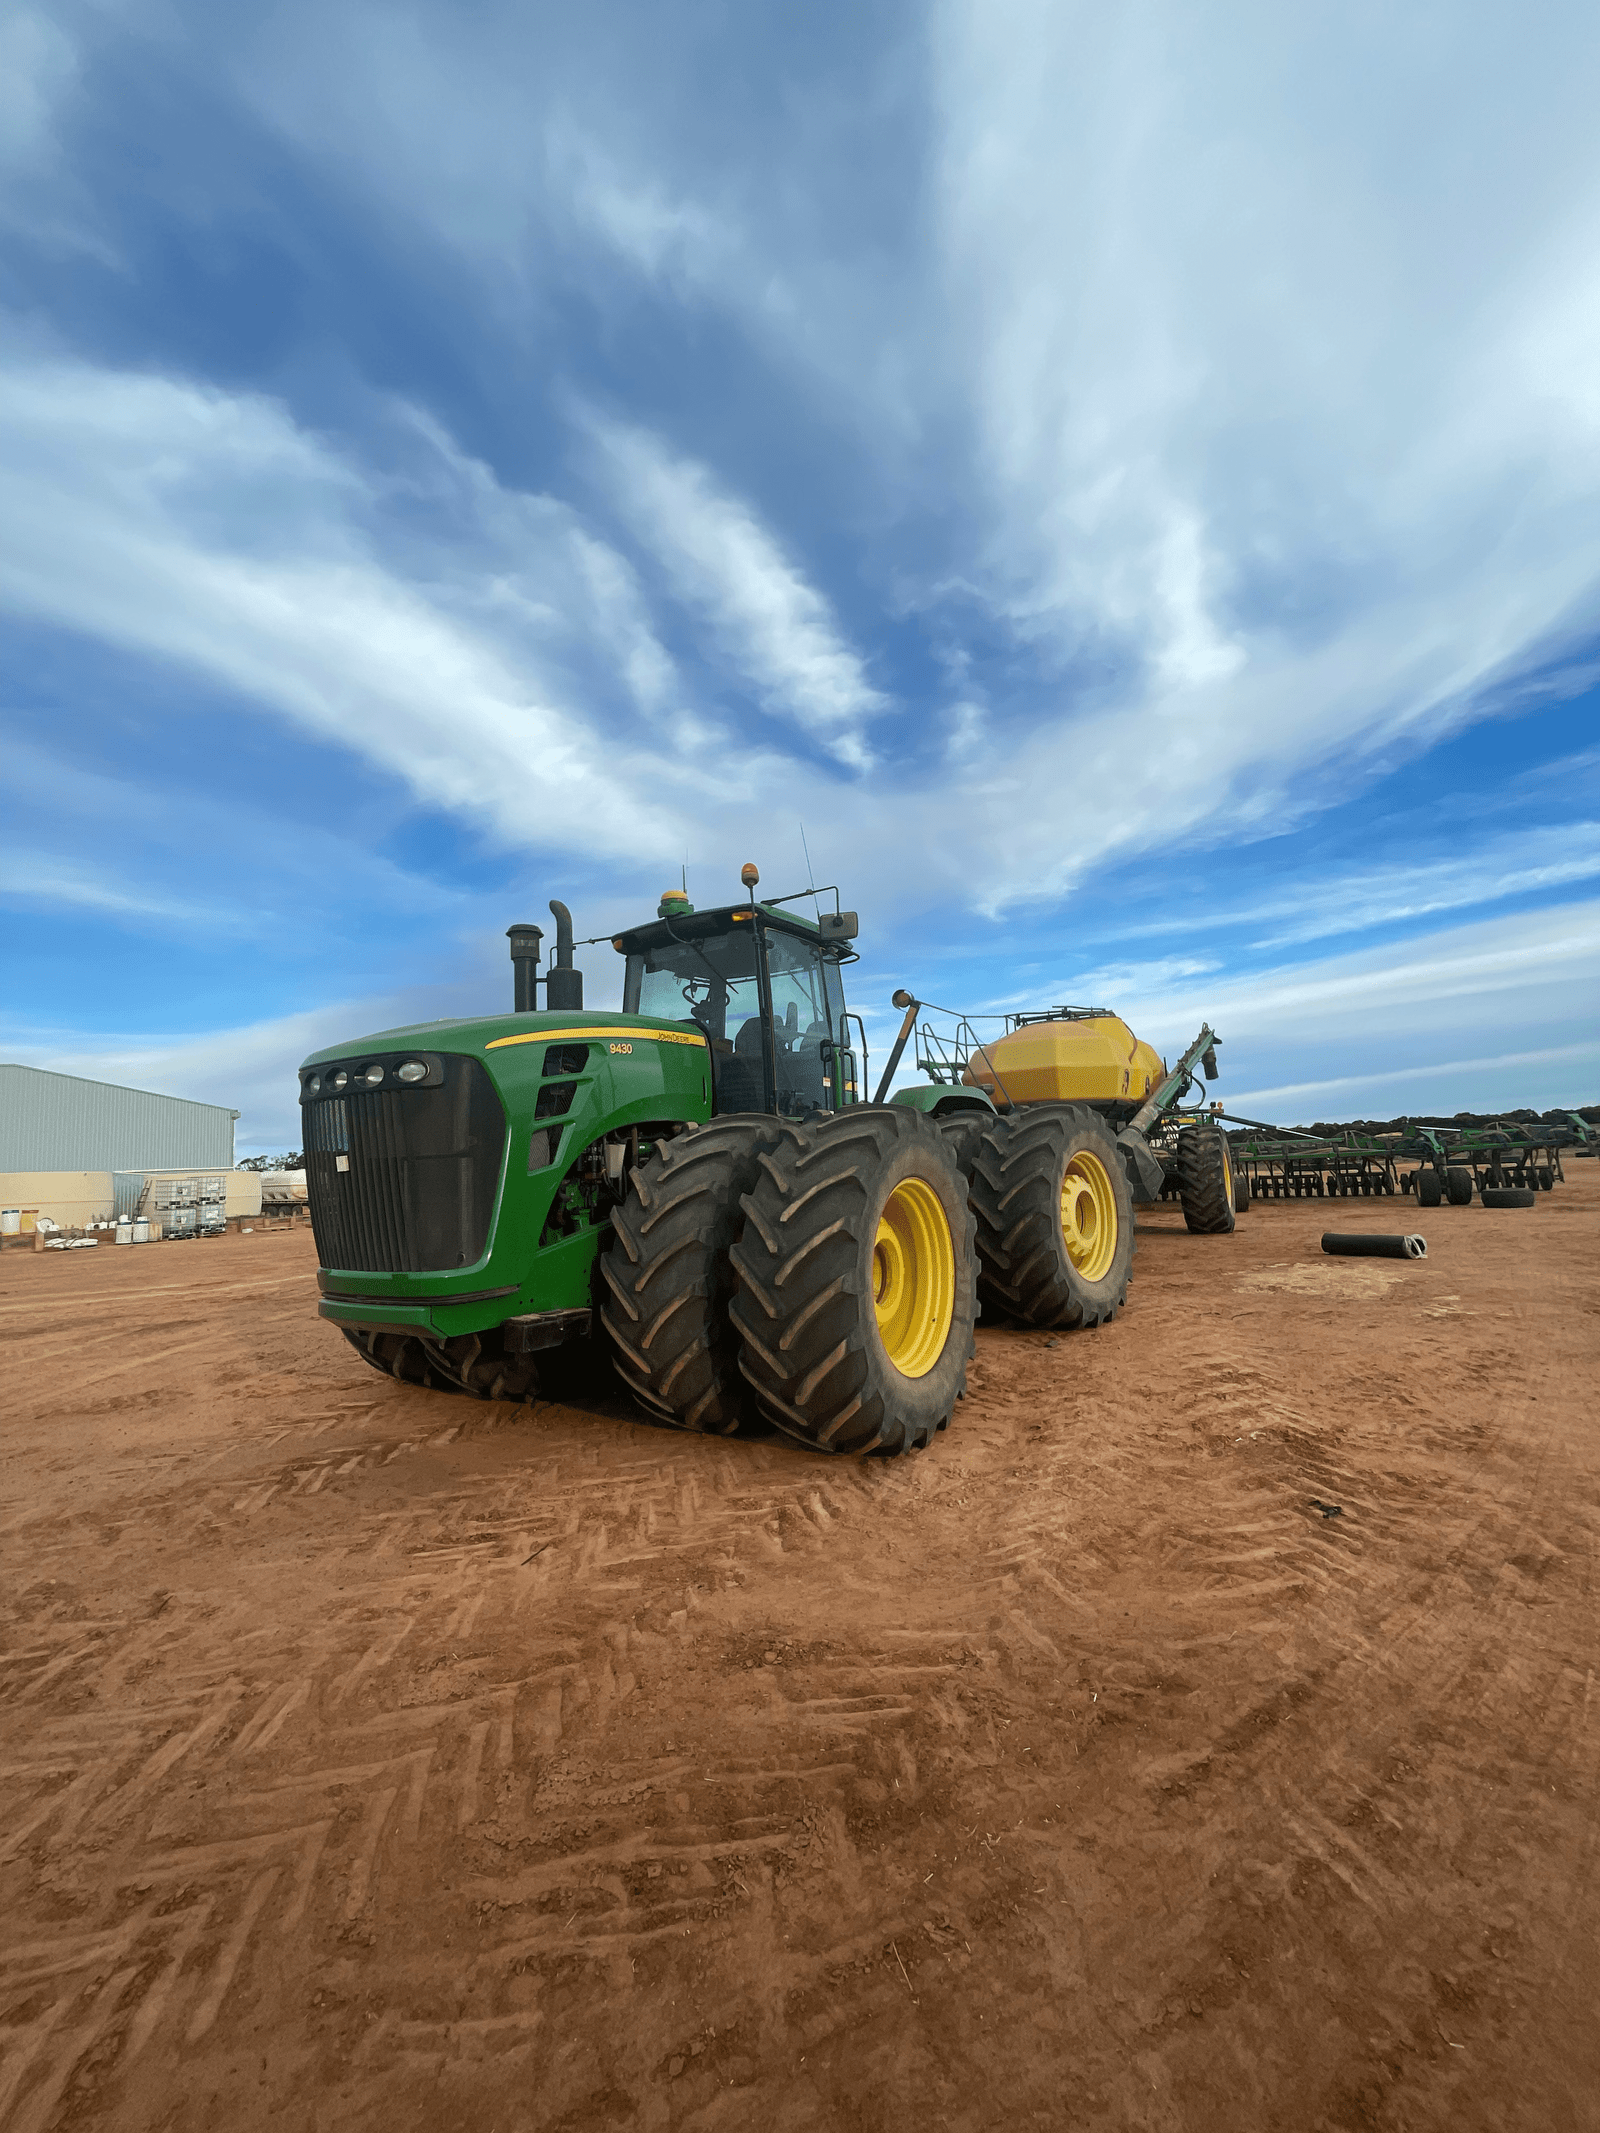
(685, 873)
(811, 873)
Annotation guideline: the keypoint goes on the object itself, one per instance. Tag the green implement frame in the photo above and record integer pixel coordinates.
(1287, 1163)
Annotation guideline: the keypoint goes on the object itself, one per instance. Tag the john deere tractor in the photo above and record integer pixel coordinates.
(701, 1183)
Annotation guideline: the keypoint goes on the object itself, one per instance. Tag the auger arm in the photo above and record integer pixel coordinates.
(1201, 1053)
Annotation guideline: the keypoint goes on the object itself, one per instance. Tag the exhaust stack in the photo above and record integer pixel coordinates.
(563, 985)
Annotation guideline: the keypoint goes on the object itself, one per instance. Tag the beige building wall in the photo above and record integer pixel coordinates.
(74, 1198)
(71, 1198)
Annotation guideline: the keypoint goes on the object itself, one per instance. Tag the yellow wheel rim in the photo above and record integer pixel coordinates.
(1089, 1216)
(914, 1277)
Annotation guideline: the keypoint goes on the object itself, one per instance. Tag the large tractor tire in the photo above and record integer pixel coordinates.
(964, 1130)
(1205, 1180)
(1055, 1218)
(856, 1271)
(473, 1363)
(670, 1280)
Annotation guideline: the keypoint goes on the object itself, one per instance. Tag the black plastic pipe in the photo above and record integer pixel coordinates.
(1338, 1245)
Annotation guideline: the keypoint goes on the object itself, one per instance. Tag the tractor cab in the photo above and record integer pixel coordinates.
(763, 986)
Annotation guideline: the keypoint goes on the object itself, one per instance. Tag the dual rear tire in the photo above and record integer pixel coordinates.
(1054, 1218)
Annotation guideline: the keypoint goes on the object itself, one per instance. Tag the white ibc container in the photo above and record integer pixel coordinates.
(124, 1232)
(10, 1221)
(141, 1230)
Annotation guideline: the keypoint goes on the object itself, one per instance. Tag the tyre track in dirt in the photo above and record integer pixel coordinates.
(553, 1769)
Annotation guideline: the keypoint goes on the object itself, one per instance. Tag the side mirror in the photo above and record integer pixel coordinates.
(839, 925)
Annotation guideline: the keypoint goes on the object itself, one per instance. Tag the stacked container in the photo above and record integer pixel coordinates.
(211, 1206)
(175, 1204)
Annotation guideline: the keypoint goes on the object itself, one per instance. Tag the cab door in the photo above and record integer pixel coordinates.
(843, 1076)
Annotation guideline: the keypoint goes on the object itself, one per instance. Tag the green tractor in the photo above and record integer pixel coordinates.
(701, 1184)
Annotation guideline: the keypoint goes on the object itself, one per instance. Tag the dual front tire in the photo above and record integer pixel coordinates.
(817, 1278)
(855, 1304)
(823, 1278)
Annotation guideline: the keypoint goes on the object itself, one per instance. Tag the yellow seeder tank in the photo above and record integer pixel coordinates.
(1091, 1059)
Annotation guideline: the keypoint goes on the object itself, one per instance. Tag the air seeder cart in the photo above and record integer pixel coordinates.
(1089, 1056)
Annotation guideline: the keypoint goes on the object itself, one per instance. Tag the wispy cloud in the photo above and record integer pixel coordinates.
(79, 838)
(1311, 902)
(210, 529)
(1294, 487)
(769, 626)
(1554, 1063)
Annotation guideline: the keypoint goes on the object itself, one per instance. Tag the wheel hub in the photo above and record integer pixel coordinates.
(1088, 1215)
(914, 1277)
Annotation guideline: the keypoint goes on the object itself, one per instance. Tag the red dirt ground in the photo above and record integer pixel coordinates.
(377, 1759)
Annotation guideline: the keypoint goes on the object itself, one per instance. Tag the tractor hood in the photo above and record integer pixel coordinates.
(486, 1036)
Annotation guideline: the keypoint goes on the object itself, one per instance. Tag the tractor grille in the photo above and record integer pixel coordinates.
(403, 1180)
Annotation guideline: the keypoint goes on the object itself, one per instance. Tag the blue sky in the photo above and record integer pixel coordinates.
(1127, 481)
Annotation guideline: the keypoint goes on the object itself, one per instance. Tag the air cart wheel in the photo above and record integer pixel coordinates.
(1055, 1218)
(670, 1281)
(1508, 1196)
(855, 1304)
(473, 1363)
(1458, 1185)
(1241, 1191)
(1205, 1180)
(1430, 1188)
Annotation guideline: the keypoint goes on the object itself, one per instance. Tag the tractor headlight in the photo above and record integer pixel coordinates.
(339, 1079)
(373, 1076)
(413, 1070)
(314, 1085)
